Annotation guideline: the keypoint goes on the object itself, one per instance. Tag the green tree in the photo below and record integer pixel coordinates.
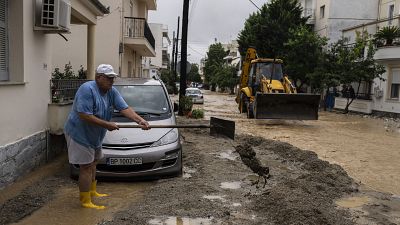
(194, 75)
(226, 77)
(269, 29)
(304, 52)
(346, 64)
(168, 78)
(215, 60)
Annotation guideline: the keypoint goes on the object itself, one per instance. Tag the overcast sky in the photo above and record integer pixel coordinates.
(208, 19)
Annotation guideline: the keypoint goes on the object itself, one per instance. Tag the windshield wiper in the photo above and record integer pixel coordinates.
(148, 114)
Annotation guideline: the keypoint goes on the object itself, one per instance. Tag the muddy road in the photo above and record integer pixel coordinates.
(317, 177)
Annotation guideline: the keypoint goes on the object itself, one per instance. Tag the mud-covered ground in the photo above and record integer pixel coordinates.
(217, 187)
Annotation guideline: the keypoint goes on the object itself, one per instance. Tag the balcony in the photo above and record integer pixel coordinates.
(308, 12)
(138, 36)
(387, 53)
(165, 58)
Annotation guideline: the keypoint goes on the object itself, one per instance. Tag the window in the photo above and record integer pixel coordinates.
(391, 12)
(395, 86)
(322, 12)
(3, 41)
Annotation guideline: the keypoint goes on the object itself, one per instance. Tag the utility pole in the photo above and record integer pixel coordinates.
(173, 56)
(176, 50)
(182, 90)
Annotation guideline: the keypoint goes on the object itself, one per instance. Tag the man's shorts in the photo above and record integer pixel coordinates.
(79, 154)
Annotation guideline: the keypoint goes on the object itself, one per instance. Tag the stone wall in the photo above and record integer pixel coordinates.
(22, 156)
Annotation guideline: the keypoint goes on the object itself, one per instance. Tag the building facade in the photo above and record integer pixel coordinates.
(162, 58)
(25, 68)
(330, 17)
(386, 91)
(123, 36)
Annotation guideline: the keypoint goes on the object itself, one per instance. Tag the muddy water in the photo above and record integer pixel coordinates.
(362, 146)
(65, 208)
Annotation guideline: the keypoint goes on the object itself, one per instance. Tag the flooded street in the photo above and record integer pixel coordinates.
(362, 146)
(339, 170)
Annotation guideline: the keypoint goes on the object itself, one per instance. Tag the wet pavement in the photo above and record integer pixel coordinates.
(218, 188)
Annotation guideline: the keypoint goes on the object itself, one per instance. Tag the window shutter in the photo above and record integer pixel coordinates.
(396, 76)
(3, 41)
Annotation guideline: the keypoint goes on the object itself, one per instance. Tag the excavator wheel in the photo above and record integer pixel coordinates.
(250, 111)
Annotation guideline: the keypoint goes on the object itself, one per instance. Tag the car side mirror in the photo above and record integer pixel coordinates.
(176, 107)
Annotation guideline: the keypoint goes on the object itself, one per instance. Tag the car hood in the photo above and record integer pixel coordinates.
(134, 136)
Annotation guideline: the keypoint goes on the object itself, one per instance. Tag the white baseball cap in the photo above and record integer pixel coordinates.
(106, 69)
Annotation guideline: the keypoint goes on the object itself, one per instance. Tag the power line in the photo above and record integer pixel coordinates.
(255, 5)
(201, 54)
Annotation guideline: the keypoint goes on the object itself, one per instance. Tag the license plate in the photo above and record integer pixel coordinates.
(124, 161)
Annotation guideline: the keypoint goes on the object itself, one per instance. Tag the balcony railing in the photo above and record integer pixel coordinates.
(63, 91)
(138, 28)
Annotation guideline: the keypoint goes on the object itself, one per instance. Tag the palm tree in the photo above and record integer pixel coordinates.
(388, 34)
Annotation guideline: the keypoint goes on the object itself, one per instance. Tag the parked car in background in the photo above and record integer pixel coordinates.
(133, 152)
(195, 94)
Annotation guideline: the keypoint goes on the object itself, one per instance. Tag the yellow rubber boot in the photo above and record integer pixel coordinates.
(93, 191)
(86, 201)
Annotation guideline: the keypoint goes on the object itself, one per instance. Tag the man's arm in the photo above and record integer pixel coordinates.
(130, 114)
(99, 122)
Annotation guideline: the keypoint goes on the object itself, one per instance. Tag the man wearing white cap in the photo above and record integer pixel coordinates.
(87, 124)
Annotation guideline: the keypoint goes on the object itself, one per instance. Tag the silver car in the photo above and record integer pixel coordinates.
(133, 152)
(195, 94)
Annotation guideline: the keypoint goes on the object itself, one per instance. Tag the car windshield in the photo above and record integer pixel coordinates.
(193, 92)
(145, 99)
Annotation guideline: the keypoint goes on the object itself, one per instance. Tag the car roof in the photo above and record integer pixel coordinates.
(192, 89)
(137, 81)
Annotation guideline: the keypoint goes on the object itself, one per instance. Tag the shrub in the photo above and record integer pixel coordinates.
(185, 103)
(388, 34)
(197, 113)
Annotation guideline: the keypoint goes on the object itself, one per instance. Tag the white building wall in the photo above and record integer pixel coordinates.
(157, 30)
(24, 106)
(109, 35)
(384, 103)
(341, 14)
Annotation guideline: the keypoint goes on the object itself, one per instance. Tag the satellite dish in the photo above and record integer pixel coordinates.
(188, 67)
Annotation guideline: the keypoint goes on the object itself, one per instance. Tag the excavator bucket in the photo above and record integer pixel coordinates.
(286, 106)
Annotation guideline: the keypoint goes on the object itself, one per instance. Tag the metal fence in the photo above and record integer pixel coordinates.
(63, 91)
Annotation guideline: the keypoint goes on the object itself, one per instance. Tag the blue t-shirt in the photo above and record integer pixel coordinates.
(90, 100)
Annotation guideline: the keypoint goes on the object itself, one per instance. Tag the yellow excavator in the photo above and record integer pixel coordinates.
(266, 93)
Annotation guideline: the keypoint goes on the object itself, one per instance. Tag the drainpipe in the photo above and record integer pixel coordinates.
(90, 51)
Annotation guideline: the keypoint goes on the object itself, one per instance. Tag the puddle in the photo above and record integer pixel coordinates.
(236, 204)
(65, 208)
(227, 155)
(187, 172)
(231, 185)
(214, 197)
(353, 202)
(181, 221)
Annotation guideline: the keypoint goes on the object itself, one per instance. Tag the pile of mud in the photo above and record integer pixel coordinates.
(304, 196)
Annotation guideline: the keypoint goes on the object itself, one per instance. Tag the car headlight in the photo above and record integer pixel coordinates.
(171, 137)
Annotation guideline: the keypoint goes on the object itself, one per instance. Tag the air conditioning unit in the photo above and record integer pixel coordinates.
(53, 15)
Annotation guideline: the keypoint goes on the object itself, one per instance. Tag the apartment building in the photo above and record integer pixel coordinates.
(386, 92)
(27, 30)
(123, 40)
(162, 58)
(330, 17)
